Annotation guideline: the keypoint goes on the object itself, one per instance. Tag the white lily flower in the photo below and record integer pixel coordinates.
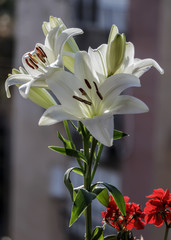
(84, 99)
(118, 57)
(40, 62)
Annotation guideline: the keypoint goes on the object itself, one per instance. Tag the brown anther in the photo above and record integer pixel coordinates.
(83, 92)
(97, 91)
(33, 59)
(41, 57)
(82, 100)
(29, 63)
(99, 95)
(41, 52)
(87, 83)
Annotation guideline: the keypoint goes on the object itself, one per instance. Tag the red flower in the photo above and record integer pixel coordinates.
(158, 208)
(132, 219)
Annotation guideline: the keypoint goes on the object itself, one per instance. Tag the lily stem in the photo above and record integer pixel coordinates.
(70, 139)
(96, 161)
(87, 182)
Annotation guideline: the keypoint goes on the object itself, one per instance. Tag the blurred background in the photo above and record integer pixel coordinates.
(34, 203)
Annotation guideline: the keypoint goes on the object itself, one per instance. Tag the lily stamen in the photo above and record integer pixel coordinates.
(82, 100)
(41, 52)
(87, 83)
(83, 92)
(29, 64)
(33, 61)
(97, 91)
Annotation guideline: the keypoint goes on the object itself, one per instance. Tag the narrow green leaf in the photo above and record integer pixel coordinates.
(110, 237)
(118, 134)
(67, 143)
(58, 149)
(117, 195)
(102, 195)
(98, 233)
(81, 202)
(68, 152)
(68, 182)
(74, 126)
(76, 154)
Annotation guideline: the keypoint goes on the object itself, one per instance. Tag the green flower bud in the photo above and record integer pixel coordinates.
(115, 52)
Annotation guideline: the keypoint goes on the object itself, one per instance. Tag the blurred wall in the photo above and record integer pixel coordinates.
(148, 166)
(146, 163)
(34, 215)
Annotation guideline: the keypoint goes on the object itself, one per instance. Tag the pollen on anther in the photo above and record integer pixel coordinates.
(82, 91)
(41, 58)
(97, 91)
(87, 83)
(41, 51)
(82, 100)
(29, 64)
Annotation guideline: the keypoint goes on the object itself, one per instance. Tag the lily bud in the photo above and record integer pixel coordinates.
(113, 32)
(115, 52)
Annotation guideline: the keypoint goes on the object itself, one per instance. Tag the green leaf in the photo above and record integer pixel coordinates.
(98, 233)
(69, 152)
(110, 237)
(74, 126)
(102, 195)
(81, 202)
(68, 182)
(58, 149)
(67, 143)
(118, 134)
(117, 195)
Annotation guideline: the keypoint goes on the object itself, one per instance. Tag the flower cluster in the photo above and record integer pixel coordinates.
(91, 91)
(87, 86)
(158, 208)
(133, 219)
(157, 212)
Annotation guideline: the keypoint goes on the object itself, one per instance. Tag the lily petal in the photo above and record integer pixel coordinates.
(16, 79)
(128, 105)
(25, 88)
(61, 40)
(51, 37)
(55, 114)
(84, 68)
(65, 85)
(101, 128)
(129, 54)
(142, 66)
(98, 57)
(117, 83)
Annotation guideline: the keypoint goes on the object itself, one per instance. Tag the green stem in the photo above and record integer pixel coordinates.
(87, 182)
(70, 139)
(67, 131)
(166, 232)
(96, 161)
